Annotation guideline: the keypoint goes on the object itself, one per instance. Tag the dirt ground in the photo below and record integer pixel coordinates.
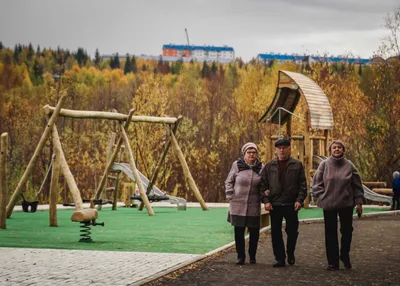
(375, 256)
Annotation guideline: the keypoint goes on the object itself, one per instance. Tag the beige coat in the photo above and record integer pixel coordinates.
(242, 189)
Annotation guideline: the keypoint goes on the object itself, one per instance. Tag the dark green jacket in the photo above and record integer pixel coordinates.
(295, 185)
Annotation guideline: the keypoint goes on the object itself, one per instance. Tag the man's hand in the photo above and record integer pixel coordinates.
(297, 206)
(359, 209)
(267, 193)
(268, 207)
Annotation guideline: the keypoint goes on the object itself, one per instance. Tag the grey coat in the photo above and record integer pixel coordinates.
(337, 184)
(242, 189)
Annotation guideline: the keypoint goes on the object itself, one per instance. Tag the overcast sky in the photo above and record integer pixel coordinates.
(249, 26)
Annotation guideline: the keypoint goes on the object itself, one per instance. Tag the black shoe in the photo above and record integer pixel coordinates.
(240, 261)
(332, 267)
(253, 260)
(346, 262)
(291, 260)
(279, 264)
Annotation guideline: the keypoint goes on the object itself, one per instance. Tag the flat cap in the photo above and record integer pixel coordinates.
(282, 142)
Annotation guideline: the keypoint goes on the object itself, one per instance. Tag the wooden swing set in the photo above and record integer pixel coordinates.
(59, 163)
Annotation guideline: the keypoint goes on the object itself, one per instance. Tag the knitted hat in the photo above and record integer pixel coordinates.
(396, 175)
(337, 141)
(249, 145)
(282, 142)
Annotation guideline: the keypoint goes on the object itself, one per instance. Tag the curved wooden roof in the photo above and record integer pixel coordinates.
(290, 87)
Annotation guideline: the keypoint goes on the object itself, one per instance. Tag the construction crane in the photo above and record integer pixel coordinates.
(187, 37)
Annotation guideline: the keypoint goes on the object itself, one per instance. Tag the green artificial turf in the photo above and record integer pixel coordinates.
(127, 229)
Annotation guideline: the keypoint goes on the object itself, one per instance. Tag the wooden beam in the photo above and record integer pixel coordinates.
(69, 178)
(55, 176)
(3, 180)
(85, 114)
(186, 172)
(35, 156)
(135, 172)
(307, 155)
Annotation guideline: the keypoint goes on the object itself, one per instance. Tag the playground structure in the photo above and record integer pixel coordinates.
(59, 165)
(312, 147)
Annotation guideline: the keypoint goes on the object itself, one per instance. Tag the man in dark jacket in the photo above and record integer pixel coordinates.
(283, 190)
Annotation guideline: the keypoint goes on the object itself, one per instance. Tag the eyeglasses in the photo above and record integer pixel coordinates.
(251, 153)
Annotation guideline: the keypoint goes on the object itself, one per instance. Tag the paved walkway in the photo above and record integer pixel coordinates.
(44, 267)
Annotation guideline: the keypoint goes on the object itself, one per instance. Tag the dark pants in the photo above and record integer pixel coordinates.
(292, 227)
(331, 234)
(396, 199)
(240, 243)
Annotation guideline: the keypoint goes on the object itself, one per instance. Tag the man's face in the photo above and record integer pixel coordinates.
(283, 152)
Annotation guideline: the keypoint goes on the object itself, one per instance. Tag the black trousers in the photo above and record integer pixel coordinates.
(240, 243)
(291, 229)
(331, 234)
(396, 199)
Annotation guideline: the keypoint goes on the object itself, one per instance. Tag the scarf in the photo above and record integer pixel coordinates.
(242, 165)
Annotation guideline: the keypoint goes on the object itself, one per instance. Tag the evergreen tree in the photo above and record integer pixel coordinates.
(205, 71)
(97, 58)
(117, 64)
(133, 65)
(16, 54)
(38, 51)
(144, 67)
(360, 69)
(37, 73)
(81, 56)
(31, 52)
(1, 46)
(128, 64)
(214, 68)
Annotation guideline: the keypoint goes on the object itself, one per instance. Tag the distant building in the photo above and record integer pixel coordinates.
(280, 58)
(199, 53)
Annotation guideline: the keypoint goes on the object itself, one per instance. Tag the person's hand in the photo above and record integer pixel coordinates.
(297, 206)
(268, 207)
(359, 210)
(266, 193)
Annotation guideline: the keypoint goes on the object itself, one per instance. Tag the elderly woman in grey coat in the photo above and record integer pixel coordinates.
(338, 187)
(242, 189)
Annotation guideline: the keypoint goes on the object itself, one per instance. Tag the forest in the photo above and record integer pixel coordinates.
(220, 105)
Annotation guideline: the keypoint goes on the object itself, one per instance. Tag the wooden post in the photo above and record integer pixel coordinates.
(55, 176)
(112, 159)
(69, 178)
(307, 156)
(301, 151)
(115, 193)
(186, 172)
(3, 180)
(110, 145)
(289, 127)
(269, 145)
(132, 164)
(35, 156)
(327, 141)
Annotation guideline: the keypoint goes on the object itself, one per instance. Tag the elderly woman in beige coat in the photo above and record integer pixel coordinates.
(242, 189)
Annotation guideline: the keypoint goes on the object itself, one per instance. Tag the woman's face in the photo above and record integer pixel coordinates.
(250, 156)
(337, 150)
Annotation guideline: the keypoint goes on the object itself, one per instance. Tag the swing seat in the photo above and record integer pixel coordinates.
(29, 206)
(95, 202)
(152, 198)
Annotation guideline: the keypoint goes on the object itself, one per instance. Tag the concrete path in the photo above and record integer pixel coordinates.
(23, 267)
